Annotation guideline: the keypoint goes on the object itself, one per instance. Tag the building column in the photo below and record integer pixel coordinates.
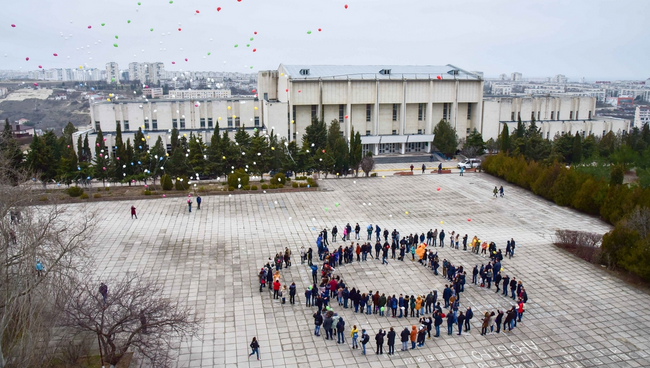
(429, 121)
(375, 149)
(376, 110)
(348, 111)
(454, 108)
(402, 149)
(402, 112)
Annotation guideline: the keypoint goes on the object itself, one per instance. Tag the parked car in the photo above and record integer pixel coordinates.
(469, 163)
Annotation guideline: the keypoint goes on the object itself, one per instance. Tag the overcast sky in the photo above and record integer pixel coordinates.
(596, 39)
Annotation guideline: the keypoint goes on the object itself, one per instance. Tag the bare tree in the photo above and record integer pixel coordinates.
(470, 151)
(639, 220)
(32, 238)
(367, 164)
(135, 315)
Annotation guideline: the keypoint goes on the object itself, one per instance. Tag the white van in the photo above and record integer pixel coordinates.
(469, 163)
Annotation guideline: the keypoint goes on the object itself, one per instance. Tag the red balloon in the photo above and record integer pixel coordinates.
(253, 90)
(13, 26)
(36, 85)
(299, 91)
(346, 116)
(239, 1)
(254, 50)
(179, 29)
(89, 27)
(197, 12)
(286, 90)
(346, 6)
(186, 59)
(319, 30)
(323, 151)
(219, 9)
(40, 67)
(470, 220)
(438, 189)
(55, 54)
(439, 77)
(27, 58)
(255, 32)
(173, 62)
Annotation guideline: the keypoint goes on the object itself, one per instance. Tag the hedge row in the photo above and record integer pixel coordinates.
(568, 187)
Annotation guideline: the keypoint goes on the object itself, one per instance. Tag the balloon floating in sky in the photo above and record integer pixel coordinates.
(103, 24)
(128, 21)
(89, 27)
(13, 26)
(346, 6)
(319, 30)
(139, 3)
(55, 54)
(197, 12)
(27, 59)
(185, 59)
(469, 220)
(179, 29)
(114, 45)
(236, 45)
(219, 9)
(171, 2)
(439, 77)
(173, 62)
(151, 29)
(254, 50)
(308, 32)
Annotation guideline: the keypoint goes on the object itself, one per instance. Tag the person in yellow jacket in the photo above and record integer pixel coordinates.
(354, 334)
(418, 306)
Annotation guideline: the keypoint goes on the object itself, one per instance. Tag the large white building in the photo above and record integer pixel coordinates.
(394, 107)
(553, 114)
(198, 93)
(149, 73)
(157, 117)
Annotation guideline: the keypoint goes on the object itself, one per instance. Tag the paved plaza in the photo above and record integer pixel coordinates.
(577, 314)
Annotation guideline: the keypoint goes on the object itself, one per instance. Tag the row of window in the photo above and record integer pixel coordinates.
(154, 124)
(422, 112)
(553, 115)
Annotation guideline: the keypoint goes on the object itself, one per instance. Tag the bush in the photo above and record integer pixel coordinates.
(373, 175)
(230, 189)
(239, 177)
(280, 186)
(202, 189)
(43, 198)
(279, 178)
(288, 179)
(75, 192)
(261, 180)
(273, 186)
(97, 195)
(301, 178)
(265, 186)
(303, 185)
(106, 189)
(246, 187)
(84, 196)
(182, 183)
(147, 192)
(166, 182)
(99, 189)
(294, 185)
(254, 187)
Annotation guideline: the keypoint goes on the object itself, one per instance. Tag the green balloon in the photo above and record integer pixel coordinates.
(209, 53)
(116, 37)
(236, 45)
(128, 21)
(114, 45)
(251, 38)
(251, 67)
(151, 29)
(103, 24)
(171, 2)
(308, 32)
(248, 45)
(139, 3)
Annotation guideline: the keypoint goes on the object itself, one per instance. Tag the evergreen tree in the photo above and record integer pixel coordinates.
(215, 153)
(101, 164)
(577, 149)
(504, 139)
(174, 139)
(474, 144)
(87, 153)
(445, 138)
(119, 159)
(80, 149)
(337, 150)
(257, 157)
(156, 159)
(521, 129)
(316, 134)
(68, 131)
(67, 167)
(10, 151)
(356, 151)
(197, 157)
(39, 160)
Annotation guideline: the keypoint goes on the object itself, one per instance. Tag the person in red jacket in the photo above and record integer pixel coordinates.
(133, 212)
(333, 287)
(276, 289)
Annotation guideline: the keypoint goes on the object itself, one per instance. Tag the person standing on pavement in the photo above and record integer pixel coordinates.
(414, 336)
(462, 169)
(189, 204)
(424, 167)
(379, 339)
(256, 348)
(440, 168)
(292, 293)
(412, 168)
(469, 314)
(354, 334)
(340, 328)
(133, 212)
(318, 321)
(461, 319)
(364, 340)
(391, 341)
(198, 202)
(405, 335)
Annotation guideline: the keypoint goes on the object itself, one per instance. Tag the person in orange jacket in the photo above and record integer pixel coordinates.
(414, 336)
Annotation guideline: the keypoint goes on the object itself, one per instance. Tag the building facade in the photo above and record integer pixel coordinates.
(553, 114)
(394, 108)
(158, 117)
(198, 93)
(112, 73)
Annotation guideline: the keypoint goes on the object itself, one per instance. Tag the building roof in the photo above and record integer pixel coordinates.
(398, 72)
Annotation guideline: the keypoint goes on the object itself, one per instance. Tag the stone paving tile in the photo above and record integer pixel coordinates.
(577, 315)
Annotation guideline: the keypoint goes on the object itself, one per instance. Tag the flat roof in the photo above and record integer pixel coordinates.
(374, 72)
